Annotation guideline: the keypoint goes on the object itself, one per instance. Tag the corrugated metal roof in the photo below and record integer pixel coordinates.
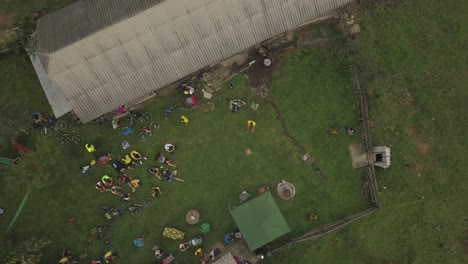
(83, 18)
(139, 54)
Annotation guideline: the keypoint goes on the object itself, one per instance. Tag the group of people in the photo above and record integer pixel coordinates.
(129, 161)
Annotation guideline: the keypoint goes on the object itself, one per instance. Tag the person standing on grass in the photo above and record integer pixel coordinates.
(184, 120)
(251, 125)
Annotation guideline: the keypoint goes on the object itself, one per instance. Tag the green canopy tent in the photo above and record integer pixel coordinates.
(260, 221)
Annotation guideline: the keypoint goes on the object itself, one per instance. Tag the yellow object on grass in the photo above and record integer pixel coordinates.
(173, 233)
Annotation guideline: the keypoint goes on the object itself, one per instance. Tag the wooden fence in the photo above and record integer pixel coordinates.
(363, 116)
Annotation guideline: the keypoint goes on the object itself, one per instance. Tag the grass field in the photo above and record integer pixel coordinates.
(413, 61)
(213, 162)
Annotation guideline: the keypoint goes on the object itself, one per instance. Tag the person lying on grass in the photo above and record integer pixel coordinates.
(118, 166)
(126, 179)
(128, 162)
(116, 190)
(125, 197)
(135, 183)
(168, 175)
(169, 148)
(137, 156)
(101, 187)
(161, 159)
(155, 191)
(155, 171)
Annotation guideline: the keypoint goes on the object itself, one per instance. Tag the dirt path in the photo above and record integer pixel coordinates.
(299, 146)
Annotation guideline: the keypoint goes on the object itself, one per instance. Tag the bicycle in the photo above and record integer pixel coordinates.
(138, 116)
(235, 105)
(50, 124)
(147, 131)
(77, 139)
(101, 233)
(166, 111)
(137, 208)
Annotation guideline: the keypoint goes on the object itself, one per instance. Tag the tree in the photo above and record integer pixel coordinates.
(25, 252)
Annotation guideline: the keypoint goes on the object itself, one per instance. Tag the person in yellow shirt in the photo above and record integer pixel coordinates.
(128, 161)
(251, 125)
(184, 120)
(137, 156)
(90, 148)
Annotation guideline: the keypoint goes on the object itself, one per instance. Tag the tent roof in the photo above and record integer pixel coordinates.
(260, 221)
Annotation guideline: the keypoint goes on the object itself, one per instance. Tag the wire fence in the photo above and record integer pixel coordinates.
(363, 117)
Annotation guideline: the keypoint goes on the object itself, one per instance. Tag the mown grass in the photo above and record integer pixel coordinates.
(413, 61)
(211, 159)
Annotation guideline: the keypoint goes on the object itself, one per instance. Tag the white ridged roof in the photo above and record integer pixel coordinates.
(113, 64)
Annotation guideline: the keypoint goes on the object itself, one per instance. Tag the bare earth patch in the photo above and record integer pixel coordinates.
(358, 155)
(411, 131)
(6, 20)
(420, 167)
(407, 100)
(423, 148)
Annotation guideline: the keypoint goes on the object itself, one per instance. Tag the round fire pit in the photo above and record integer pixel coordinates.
(286, 190)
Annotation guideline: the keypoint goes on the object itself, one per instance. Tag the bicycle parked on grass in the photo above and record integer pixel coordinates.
(77, 139)
(141, 117)
(166, 111)
(50, 125)
(101, 234)
(147, 131)
(137, 207)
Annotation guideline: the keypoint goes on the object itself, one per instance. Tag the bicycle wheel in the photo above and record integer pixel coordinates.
(147, 202)
(142, 136)
(106, 239)
(60, 125)
(165, 115)
(178, 106)
(46, 132)
(146, 116)
(136, 211)
(154, 125)
(78, 139)
(62, 142)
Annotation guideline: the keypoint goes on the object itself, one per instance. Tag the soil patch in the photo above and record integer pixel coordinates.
(411, 131)
(260, 76)
(407, 100)
(419, 167)
(358, 155)
(6, 20)
(423, 148)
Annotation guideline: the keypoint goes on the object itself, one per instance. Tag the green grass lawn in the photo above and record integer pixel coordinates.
(413, 61)
(211, 158)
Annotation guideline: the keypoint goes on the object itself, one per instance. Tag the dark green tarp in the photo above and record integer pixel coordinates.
(260, 221)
